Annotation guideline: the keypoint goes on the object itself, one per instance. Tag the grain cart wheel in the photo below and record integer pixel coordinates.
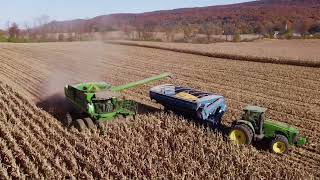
(241, 134)
(88, 121)
(79, 124)
(279, 145)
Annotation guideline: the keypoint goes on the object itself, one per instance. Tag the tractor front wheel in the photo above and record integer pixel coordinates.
(279, 145)
(241, 134)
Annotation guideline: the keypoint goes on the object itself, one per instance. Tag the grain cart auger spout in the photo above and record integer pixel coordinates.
(96, 102)
(253, 126)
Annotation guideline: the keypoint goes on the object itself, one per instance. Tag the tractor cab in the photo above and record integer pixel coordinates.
(256, 116)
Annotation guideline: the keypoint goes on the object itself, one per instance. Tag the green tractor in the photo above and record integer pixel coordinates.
(97, 102)
(253, 126)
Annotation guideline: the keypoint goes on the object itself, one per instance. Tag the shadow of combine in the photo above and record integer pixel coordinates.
(56, 105)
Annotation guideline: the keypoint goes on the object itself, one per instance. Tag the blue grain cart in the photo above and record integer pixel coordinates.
(201, 105)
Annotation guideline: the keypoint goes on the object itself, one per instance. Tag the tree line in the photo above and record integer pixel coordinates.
(230, 30)
(43, 31)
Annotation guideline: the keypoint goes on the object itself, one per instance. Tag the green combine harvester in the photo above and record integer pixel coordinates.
(253, 126)
(99, 102)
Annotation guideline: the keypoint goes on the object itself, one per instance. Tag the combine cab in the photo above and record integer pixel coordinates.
(99, 101)
(204, 106)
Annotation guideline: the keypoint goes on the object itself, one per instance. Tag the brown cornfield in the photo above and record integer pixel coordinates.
(34, 144)
(290, 52)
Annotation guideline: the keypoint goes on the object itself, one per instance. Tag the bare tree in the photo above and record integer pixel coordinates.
(145, 31)
(210, 29)
(43, 20)
(61, 37)
(8, 25)
(189, 31)
(229, 29)
(270, 28)
(41, 24)
(301, 26)
(169, 31)
(148, 31)
(27, 29)
(14, 31)
(260, 29)
(139, 31)
(128, 31)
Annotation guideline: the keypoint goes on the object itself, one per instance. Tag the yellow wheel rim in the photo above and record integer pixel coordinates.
(237, 137)
(279, 147)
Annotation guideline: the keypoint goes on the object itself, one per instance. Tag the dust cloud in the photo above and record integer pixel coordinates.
(53, 99)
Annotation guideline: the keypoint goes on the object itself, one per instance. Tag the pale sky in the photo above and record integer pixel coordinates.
(21, 11)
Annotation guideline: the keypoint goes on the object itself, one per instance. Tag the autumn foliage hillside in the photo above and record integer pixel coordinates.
(247, 16)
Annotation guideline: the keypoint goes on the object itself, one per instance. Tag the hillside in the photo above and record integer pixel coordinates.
(250, 14)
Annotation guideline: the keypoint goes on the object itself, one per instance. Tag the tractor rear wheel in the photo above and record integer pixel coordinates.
(279, 145)
(241, 134)
(88, 121)
(79, 124)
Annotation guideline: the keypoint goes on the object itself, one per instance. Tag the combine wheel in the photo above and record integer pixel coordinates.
(241, 134)
(88, 121)
(279, 145)
(79, 124)
(68, 119)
